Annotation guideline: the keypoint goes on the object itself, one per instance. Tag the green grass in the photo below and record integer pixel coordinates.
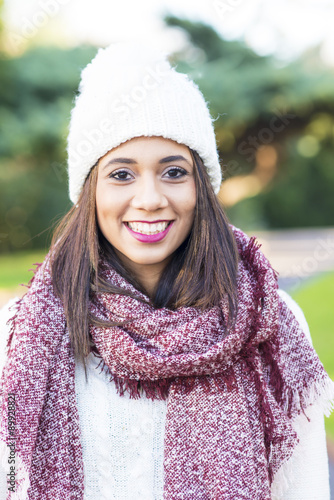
(14, 268)
(316, 300)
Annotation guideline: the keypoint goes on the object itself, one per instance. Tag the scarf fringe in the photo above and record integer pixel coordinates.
(283, 478)
(159, 389)
(22, 481)
(320, 395)
(250, 250)
(153, 389)
(11, 322)
(250, 253)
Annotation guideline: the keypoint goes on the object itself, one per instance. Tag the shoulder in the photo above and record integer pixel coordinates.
(297, 312)
(305, 474)
(40, 289)
(6, 314)
(6, 311)
(38, 305)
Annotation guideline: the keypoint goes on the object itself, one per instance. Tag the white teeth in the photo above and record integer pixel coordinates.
(145, 228)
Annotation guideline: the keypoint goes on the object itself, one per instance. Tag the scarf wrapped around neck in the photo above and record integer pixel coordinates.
(231, 395)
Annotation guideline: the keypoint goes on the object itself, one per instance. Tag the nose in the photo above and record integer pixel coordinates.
(149, 194)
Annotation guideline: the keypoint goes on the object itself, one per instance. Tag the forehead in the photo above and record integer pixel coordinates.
(149, 146)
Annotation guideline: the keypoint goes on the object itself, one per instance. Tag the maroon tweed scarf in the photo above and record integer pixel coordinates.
(230, 396)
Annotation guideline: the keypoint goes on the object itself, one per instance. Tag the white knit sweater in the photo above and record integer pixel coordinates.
(122, 440)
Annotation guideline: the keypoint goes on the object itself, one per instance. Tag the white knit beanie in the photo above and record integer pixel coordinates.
(130, 90)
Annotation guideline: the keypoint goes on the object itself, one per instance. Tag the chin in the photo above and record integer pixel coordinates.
(148, 262)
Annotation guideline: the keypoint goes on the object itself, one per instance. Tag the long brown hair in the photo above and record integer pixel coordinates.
(200, 273)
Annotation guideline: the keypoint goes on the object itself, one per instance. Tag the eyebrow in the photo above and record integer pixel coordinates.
(131, 161)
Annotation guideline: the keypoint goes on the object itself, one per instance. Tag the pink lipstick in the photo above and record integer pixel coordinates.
(149, 238)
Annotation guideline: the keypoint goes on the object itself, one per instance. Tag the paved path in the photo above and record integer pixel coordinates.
(298, 254)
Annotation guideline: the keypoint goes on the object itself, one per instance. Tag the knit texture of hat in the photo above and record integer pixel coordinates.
(130, 90)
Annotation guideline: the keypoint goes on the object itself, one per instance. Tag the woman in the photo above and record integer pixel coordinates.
(207, 386)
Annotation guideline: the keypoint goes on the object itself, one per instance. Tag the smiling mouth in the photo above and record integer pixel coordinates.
(148, 228)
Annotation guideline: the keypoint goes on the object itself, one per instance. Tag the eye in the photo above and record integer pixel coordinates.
(176, 173)
(120, 175)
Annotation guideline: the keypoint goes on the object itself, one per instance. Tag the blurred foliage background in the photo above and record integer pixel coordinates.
(274, 126)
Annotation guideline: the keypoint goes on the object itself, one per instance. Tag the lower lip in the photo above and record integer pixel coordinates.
(149, 238)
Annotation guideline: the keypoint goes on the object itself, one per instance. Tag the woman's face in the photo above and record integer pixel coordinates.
(145, 199)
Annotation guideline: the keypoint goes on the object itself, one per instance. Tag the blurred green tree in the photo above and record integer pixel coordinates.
(37, 90)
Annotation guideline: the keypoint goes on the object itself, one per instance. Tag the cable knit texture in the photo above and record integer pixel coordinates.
(131, 90)
(230, 396)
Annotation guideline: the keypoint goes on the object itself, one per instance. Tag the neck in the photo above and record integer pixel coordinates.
(147, 275)
(148, 278)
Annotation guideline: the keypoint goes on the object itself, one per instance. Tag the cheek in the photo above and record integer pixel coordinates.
(190, 216)
(189, 203)
(185, 209)
(107, 207)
